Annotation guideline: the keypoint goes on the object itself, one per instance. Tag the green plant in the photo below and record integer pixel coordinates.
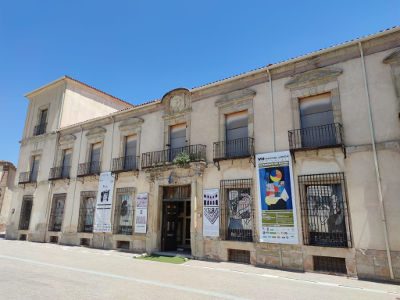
(182, 159)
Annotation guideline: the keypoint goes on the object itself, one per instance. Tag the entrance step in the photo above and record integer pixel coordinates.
(174, 253)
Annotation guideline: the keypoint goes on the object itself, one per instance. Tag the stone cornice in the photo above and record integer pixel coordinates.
(131, 123)
(66, 139)
(313, 77)
(95, 132)
(393, 58)
(235, 97)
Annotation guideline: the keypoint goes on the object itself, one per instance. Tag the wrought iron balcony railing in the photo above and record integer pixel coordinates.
(125, 164)
(167, 156)
(324, 136)
(27, 177)
(89, 168)
(238, 148)
(40, 129)
(59, 173)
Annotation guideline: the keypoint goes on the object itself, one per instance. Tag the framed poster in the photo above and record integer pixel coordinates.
(142, 201)
(102, 219)
(277, 213)
(211, 212)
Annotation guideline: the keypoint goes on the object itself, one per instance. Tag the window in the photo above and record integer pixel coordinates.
(237, 133)
(324, 210)
(86, 211)
(236, 210)
(177, 139)
(26, 210)
(66, 163)
(130, 152)
(57, 212)
(35, 168)
(123, 222)
(40, 128)
(317, 121)
(95, 151)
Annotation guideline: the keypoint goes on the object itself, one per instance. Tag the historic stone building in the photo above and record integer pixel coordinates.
(7, 178)
(336, 110)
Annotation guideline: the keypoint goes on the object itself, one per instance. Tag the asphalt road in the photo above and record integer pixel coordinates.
(46, 271)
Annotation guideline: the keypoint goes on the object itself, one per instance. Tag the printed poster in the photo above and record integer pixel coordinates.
(142, 201)
(211, 212)
(102, 220)
(277, 217)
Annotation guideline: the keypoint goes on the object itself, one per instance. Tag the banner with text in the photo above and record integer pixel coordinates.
(142, 201)
(102, 220)
(277, 213)
(211, 212)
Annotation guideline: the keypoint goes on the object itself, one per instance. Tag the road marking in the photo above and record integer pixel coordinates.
(128, 278)
(337, 285)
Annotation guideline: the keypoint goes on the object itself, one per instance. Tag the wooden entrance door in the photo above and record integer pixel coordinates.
(170, 226)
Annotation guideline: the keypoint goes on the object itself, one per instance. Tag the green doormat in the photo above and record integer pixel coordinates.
(165, 259)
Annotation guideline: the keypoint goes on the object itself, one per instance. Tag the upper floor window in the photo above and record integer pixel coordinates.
(66, 162)
(177, 139)
(236, 134)
(34, 168)
(40, 128)
(95, 151)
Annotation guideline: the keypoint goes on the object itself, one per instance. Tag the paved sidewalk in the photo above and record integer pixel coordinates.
(47, 271)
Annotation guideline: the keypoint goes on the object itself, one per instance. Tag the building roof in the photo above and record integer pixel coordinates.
(7, 163)
(66, 77)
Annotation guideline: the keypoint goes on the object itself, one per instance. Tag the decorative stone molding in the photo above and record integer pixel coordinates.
(313, 78)
(393, 60)
(67, 139)
(177, 109)
(235, 97)
(130, 124)
(96, 134)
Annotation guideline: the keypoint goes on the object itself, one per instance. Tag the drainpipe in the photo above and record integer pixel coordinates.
(375, 154)
(272, 108)
(76, 178)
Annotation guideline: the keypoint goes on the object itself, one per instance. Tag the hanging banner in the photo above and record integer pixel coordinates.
(102, 220)
(277, 213)
(211, 212)
(142, 201)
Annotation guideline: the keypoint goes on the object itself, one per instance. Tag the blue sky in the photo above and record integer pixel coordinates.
(138, 50)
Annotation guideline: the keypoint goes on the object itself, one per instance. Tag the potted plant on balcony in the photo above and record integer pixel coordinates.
(182, 159)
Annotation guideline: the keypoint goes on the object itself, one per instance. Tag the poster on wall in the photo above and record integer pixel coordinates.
(211, 212)
(277, 215)
(102, 220)
(142, 201)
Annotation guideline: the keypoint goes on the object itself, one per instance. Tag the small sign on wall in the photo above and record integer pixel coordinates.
(211, 212)
(142, 201)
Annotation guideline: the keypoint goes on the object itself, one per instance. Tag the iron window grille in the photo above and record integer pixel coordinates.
(324, 210)
(25, 177)
(237, 148)
(124, 212)
(26, 210)
(59, 172)
(167, 156)
(332, 265)
(177, 193)
(125, 164)
(89, 168)
(57, 212)
(237, 214)
(86, 211)
(40, 129)
(316, 137)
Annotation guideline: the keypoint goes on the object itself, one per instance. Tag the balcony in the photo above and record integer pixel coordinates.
(167, 156)
(125, 164)
(59, 173)
(318, 137)
(40, 129)
(27, 177)
(89, 168)
(233, 149)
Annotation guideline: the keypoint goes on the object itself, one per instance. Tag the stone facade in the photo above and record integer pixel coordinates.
(7, 178)
(270, 98)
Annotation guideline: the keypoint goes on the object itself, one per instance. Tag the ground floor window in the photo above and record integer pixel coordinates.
(236, 210)
(57, 212)
(86, 211)
(124, 211)
(26, 209)
(324, 210)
